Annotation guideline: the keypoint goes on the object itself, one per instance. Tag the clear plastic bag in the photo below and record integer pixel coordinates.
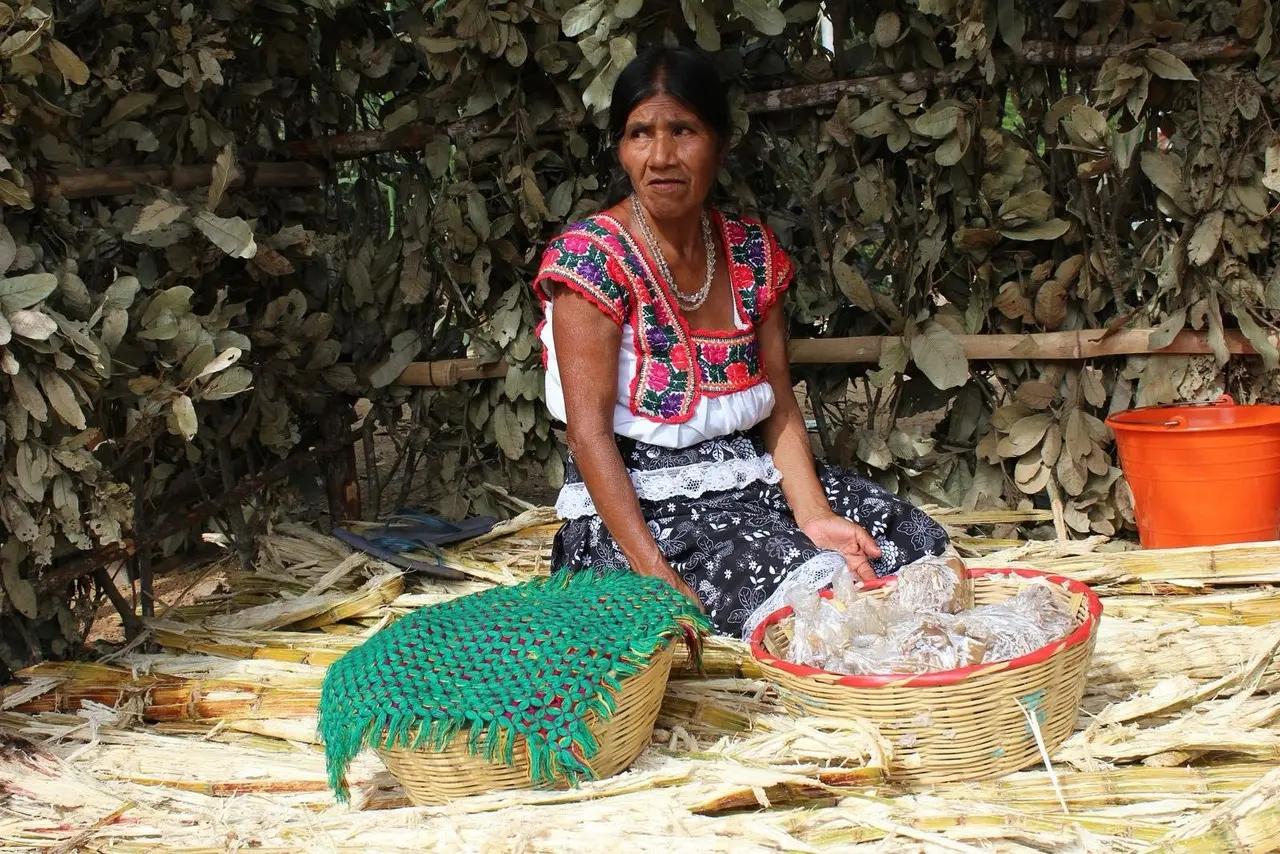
(933, 585)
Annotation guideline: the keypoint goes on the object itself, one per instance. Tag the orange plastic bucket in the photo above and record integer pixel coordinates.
(1202, 474)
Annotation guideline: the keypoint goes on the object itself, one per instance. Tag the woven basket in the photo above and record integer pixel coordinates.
(430, 778)
(965, 724)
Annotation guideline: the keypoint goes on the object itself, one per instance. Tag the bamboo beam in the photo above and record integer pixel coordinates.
(122, 180)
(1036, 346)
(413, 136)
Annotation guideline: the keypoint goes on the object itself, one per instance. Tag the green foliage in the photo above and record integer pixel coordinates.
(993, 190)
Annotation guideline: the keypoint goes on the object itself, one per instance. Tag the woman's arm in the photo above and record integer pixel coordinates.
(787, 440)
(587, 347)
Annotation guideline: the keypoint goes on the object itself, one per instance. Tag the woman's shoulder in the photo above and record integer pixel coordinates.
(597, 226)
(747, 229)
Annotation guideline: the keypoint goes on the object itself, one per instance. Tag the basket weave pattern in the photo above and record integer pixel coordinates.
(432, 777)
(963, 724)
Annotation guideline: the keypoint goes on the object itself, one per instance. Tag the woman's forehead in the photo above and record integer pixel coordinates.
(662, 107)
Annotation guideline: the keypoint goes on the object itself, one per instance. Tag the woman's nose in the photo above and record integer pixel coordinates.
(664, 150)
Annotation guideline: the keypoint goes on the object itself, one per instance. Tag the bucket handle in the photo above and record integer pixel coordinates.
(1178, 420)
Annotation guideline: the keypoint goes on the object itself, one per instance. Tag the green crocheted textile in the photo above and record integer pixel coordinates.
(528, 660)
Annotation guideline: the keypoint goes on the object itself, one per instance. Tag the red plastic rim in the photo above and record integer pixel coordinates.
(943, 677)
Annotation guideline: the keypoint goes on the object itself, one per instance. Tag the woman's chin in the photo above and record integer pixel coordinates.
(670, 202)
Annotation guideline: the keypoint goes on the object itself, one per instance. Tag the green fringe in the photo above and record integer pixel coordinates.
(356, 710)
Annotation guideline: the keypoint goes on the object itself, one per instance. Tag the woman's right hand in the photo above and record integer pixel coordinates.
(667, 574)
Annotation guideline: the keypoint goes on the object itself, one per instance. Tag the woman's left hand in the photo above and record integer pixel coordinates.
(839, 534)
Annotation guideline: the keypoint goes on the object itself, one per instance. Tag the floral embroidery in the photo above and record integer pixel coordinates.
(600, 260)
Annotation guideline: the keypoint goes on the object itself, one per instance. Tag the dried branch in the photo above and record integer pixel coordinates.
(413, 136)
(1039, 346)
(123, 180)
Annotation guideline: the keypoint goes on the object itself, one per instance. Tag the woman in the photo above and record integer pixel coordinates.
(665, 345)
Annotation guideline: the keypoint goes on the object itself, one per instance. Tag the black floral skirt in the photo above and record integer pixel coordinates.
(719, 516)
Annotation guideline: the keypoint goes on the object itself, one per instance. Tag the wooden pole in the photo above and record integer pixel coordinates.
(1036, 346)
(413, 136)
(122, 180)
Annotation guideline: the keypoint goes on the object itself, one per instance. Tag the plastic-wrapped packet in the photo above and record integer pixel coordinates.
(846, 587)
(806, 626)
(934, 641)
(933, 584)
(1037, 601)
(882, 656)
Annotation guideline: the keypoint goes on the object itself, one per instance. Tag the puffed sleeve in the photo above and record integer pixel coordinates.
(781, 270)
(578, 261)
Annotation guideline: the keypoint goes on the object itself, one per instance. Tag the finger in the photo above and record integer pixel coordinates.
(868, 543)
(860, 566)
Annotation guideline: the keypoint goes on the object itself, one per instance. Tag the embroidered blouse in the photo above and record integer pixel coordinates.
(677, 386)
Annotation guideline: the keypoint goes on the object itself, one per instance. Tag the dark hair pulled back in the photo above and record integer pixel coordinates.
(683, 73)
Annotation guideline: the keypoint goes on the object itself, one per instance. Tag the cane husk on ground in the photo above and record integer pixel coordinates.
(210, 744)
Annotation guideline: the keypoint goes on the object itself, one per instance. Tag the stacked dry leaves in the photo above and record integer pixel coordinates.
(210, 744)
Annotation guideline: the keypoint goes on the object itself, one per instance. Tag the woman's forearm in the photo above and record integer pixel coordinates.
(787, 441)
(609, 485)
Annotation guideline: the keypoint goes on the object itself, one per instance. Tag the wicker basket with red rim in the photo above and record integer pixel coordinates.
(967, 724)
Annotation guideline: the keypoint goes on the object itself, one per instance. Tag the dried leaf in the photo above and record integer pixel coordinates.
(224, 360)
(20, 591)
(28, 396)
(1076, 435)
(853, 286)
(25, 291)
(887, 29)
(223, 170)
(1051, 447)
(182, 418)
(8, 250)
(1012, 303)
(229, 383)
(233, 236)
(1163, 335)
(940, 356)
(62, 398)
(404, 349)
(1050, 229)
(131, 106)
(1087, 128)
(1031, 474)
(35, 325)
(1072, 474)
(507, 433)
(1033, 205)
(1036, 394)
(768, 21)
(1206, 239)
(1091, 385)
(1024, 435)
(71, 66)
(1165, 171)
(1051, 304)
(1270, 175)
(1164, 64)
(1261, 341)
(581, 18)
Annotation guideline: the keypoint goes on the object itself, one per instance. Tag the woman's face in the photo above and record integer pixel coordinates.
(671, 156)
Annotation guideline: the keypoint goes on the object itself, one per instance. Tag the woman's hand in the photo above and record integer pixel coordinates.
(664, 571)
(835, 532)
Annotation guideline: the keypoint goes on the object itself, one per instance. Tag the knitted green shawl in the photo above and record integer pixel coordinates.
(531, 660)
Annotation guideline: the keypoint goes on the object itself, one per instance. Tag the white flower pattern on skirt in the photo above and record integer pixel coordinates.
(734, 548)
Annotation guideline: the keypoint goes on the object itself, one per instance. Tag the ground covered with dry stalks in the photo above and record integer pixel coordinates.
(208, 744)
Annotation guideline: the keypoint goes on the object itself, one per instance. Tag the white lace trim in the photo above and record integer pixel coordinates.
(814, 574)
(690, 481)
